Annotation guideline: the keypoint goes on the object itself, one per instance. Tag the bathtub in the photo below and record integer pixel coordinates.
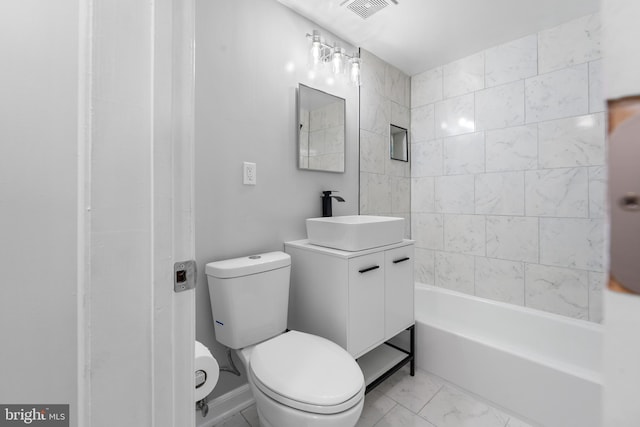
(543, 367)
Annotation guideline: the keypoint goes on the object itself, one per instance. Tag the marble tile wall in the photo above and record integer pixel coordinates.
(385, 184)
(508, 172)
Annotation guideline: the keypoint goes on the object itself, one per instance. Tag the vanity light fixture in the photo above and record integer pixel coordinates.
(323, 55)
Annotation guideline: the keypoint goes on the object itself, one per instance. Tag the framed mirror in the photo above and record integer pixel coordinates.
(399, 143)
(321, 130)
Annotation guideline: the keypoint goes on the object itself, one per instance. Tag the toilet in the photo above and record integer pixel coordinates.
(297, 379)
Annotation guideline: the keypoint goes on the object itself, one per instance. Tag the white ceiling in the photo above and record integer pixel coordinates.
(417, 35)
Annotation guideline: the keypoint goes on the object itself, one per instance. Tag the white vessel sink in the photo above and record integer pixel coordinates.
(355, 232)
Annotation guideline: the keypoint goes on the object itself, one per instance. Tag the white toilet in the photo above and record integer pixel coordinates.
(297, 379)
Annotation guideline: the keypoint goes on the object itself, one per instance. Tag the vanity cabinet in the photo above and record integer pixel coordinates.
(359, 299)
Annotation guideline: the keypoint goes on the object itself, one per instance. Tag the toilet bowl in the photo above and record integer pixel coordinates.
(300, 379)
(297, 379)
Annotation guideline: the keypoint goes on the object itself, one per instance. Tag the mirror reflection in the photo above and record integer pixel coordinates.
(321, 130)
(399, 144)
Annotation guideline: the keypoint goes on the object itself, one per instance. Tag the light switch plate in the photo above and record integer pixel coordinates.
(249, 173)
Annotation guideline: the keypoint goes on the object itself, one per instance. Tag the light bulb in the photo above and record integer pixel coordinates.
(315, 53)
(337, 60)
(354, 74)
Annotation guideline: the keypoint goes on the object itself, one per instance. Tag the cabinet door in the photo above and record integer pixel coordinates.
(366, 302)
(399, 289)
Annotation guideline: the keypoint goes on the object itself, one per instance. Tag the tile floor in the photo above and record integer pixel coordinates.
(420, 401)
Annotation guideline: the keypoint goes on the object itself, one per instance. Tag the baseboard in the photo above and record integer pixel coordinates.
(224, 406)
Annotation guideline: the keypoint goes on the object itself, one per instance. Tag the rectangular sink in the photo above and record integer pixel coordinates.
(355, 232)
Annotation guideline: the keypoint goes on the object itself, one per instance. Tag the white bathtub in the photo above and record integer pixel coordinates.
(541, 366)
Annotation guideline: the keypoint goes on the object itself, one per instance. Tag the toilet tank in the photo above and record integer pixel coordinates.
(249, 297)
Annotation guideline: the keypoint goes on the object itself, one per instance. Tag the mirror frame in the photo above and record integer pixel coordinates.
(299, 126)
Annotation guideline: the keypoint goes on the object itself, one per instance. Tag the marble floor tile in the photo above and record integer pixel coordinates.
(411, 392)
(514, 422)
(452, 408)
(376, 406)
(236, 420)
(400, 416)
(251, 415)
(404, 401)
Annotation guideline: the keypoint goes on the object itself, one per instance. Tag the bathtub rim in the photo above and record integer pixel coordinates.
(594, 375)
(595, 327)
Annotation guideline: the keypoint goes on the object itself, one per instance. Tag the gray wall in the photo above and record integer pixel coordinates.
(250, 57)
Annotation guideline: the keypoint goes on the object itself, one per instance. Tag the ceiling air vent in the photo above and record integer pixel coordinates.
(366, 8)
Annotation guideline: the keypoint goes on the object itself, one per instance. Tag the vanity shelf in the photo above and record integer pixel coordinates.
(385, 360)
(359, 300)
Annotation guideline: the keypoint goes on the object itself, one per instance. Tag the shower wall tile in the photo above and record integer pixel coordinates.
(428, 230)
(454, 194)
(572, 43)
(400, 115)
(512, 238)
(557, 192)
(500, 280)
(424, 266)
(512, 149)
(573, 243)
(373, 73)
(500, 106)
(463, 76)
(508, 171)
(423, 195)
(385, 184)
(455, 272)
(465, 234)
(407, 223)
(575, 141)
(597, 284)
(396, 85)
(422, 123)
(597, 191)
(426, 87)
(393, 167)
(557, 290)
(427, 158)
(500, 193)
(562, 93)
(400, 194)
(375, 112)
(464, 154)
(511, 61)
(373, 151)
(379, 193)
(455, 116)
(364, 193)
(596, 93)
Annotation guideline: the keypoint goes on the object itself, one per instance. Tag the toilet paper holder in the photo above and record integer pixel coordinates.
(201, 379)
(202, 406)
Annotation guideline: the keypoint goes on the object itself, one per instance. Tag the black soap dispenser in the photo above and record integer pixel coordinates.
(326, 202)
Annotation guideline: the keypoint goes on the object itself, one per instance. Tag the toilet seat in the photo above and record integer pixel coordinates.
(307, 372)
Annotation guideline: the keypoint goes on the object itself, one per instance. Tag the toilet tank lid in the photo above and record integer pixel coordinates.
(244, 266)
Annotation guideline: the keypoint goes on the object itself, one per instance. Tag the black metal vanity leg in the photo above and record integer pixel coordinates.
(412, 333)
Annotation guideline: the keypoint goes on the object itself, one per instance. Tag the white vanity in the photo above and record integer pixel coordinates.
(358, 299)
